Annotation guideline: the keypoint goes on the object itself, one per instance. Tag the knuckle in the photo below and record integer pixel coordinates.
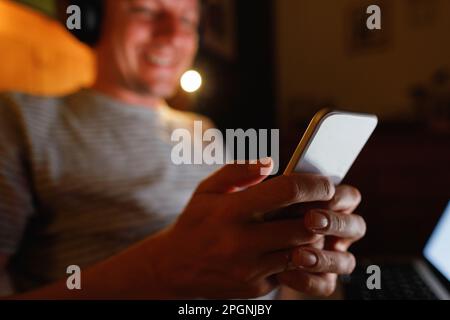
(338, 224)
(323, 261)
(328, 188)
(330, 263)
(341, 224)
(290, 189)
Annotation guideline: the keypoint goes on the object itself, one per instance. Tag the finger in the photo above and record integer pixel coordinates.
(320, 244)
(338, 244)
(284, 191)
(275, 263)
(280, 235)
(346, 199)
(281, 261)
(233, 177)
(320, 261)
(331, 223)
(308, 283)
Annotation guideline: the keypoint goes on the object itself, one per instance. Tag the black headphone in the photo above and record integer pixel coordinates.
(91, 19)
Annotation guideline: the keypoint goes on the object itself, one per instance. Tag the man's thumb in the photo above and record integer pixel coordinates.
(234, 177)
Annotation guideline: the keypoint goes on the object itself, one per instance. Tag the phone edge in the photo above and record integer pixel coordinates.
(318, 117)
(311, 129)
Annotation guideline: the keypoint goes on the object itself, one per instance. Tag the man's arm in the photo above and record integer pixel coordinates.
(128, 275)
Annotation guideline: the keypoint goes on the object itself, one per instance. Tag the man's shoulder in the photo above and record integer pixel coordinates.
(23, 112)
(30, 107)
(25, 100)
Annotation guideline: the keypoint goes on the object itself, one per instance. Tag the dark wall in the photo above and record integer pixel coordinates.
(240, 93)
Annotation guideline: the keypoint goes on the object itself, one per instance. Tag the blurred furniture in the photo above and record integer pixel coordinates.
(38, 56)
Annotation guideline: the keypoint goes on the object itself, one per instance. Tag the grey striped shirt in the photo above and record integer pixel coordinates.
(83, 177)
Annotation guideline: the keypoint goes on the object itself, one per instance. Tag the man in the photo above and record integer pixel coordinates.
(87, 180)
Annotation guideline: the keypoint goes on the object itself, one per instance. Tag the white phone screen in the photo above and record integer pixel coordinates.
(335, 145)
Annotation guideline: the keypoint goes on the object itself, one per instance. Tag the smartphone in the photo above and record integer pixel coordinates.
(332, 143)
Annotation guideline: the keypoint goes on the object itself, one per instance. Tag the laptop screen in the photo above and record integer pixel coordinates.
(437, 249)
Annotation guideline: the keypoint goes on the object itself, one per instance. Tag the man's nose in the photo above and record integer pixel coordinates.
(169, 28)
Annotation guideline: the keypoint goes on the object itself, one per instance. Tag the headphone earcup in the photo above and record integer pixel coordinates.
(91, 21)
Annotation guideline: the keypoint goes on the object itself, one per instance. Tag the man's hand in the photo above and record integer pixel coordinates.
(315, 268)
(217, 249)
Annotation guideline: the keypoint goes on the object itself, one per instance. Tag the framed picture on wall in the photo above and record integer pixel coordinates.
(219, 34)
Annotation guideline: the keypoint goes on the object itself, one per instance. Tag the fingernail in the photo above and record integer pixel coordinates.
(306, 259)
(318, 220)
(266, 161)
(266, 166)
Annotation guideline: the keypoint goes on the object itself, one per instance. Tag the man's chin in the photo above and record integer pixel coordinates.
(159, 91)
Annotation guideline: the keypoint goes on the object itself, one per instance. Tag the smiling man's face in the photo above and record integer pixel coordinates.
(148, 44)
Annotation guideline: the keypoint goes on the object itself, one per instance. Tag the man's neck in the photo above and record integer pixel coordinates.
(128, 96)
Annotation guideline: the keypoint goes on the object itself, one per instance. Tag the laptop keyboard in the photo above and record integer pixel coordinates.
(398, 282)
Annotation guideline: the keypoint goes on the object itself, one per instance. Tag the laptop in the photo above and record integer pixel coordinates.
(427, 278)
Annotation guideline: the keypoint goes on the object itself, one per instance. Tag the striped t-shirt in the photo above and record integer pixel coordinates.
(83, 177)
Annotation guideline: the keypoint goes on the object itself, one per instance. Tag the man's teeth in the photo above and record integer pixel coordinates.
(160, 61)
